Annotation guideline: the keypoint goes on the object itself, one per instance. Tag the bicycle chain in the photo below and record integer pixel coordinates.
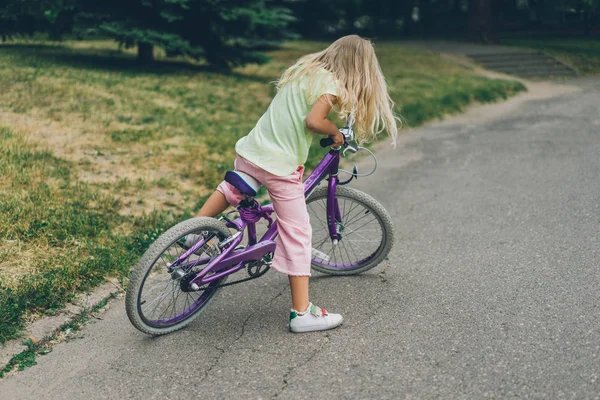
(245, 279)
(236, 282)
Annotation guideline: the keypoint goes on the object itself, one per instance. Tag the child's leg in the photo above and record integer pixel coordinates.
(223, 197)
(299, 288)
(215, 205)
(293, 252)
(292, 255)
(218, 202)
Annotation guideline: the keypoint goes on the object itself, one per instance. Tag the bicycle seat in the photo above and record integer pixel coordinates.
(243, 182)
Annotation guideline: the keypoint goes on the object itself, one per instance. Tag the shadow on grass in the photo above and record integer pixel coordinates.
(109, 60)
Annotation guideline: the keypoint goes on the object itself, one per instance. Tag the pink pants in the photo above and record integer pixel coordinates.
(293, 251)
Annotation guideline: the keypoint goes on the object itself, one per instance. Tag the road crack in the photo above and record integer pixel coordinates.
(237, 339)
(292, 369)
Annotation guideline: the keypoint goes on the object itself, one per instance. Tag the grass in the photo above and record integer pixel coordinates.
(581, 53)
(99, 155)
(24, 359)
(59, 235)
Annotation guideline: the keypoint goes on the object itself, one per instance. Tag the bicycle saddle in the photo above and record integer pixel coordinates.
(243, 182)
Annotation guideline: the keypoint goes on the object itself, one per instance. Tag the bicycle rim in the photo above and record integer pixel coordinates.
(163, 299)
(364, 228)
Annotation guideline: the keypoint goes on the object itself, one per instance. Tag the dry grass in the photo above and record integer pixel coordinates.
(29, 257)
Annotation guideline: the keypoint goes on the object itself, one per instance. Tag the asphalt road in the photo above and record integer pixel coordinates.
(492, 289)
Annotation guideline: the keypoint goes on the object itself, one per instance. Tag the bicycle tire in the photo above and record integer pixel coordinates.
(156, 252)
(362, 205)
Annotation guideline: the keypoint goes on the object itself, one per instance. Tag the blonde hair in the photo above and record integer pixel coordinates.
(362, 88)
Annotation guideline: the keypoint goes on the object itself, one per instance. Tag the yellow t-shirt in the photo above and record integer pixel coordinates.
(279, 142)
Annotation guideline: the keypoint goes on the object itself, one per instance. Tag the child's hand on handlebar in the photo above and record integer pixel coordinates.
(338, 140)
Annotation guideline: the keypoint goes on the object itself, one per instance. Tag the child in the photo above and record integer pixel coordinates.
(345, 75)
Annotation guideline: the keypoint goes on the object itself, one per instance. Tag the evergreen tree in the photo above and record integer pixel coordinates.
(224, 32)
(25, 17)
(231, 32)
(18, 17)
(482, 21)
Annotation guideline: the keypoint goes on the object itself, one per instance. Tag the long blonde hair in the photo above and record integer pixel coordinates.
(362, 88)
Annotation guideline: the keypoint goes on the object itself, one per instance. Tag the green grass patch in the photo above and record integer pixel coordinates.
(581, 53)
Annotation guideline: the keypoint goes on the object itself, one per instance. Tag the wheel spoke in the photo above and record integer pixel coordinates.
(362, 232)
(162, 302)
(346, 250)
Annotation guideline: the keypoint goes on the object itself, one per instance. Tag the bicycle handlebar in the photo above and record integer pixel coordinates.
(326, 142)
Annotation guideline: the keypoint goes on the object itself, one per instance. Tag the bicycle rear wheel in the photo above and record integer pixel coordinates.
(366, 230)
(158, 298)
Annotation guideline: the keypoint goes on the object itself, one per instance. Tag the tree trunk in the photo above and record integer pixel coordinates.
(586, 22)
(351, 16)
(533, 17)
(408, 25)
(426, 20)
(311, 20)
(145, 52)
(482, 23)
(456, 7)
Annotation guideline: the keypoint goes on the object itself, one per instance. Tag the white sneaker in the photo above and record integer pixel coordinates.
(313, 319)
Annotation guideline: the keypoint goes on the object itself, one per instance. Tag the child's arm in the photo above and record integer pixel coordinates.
(317, 122)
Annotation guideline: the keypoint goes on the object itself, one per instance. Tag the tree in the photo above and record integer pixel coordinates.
(224, 32)
(232, 32)
(482, 21)
(317, 18)
(18, 17)
(141, 23)
(591, 9)
(25, 17)
(385, 15)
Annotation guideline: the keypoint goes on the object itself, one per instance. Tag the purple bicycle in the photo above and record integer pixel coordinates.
(183, 269)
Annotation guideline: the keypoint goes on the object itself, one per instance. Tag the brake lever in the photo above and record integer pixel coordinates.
(351, 149)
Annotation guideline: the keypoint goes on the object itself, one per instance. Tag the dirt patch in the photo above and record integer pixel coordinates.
(17, 259)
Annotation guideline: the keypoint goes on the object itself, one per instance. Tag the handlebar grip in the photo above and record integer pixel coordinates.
(326, 142)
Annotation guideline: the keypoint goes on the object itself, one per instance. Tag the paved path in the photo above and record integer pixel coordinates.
(492, 289)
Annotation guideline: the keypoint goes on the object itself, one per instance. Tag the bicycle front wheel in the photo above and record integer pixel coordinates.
(365, 229)
(159, 299)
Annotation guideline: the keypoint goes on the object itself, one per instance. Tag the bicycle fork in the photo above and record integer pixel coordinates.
(334, 216)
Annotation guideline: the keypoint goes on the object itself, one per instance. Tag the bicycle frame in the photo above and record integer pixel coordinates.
(229, 261)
